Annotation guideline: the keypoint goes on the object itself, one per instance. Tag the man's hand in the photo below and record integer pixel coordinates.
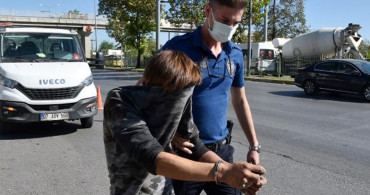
(183, 144)
(253, 157)
(244, 176)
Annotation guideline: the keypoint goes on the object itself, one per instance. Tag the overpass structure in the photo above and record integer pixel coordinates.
(84, 23)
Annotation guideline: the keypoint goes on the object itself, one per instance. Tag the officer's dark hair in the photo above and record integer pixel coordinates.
(237, 4)
(172, 70)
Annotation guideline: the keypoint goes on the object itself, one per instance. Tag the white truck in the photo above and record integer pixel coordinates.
(263, 56)
(325, 41)
(44, 76)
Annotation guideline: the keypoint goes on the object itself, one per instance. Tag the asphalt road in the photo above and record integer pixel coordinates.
(311, 145)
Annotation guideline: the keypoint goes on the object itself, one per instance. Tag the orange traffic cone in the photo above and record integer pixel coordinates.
(99, 101)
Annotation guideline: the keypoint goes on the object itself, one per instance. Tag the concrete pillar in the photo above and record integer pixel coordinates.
(85, 33)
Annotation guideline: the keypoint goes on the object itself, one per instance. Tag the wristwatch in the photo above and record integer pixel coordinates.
(255, 148)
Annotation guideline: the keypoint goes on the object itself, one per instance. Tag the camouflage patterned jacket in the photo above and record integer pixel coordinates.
(139, 122)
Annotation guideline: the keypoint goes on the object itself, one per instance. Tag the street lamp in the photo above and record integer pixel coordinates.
(158, 20)
(249, 39)
(96, 30)
(49, 6)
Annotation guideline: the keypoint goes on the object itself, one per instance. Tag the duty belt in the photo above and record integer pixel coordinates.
(217, 145)
(227, 140)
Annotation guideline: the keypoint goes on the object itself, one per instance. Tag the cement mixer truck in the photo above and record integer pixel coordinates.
(331, 42)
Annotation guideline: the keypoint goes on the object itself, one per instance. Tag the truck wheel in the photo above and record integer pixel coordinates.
(366, 93)
(310, 87)
(87, 122)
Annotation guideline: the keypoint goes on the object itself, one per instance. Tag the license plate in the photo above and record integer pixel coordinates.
(54, 116)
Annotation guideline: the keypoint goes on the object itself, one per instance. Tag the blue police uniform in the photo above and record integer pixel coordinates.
(210, 99)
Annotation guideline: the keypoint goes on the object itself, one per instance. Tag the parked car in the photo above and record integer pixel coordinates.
(336, 75)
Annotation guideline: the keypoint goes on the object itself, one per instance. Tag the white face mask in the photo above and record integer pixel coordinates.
(221, 32)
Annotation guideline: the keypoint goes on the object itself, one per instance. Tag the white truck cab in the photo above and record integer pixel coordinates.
(263, 55)
(44, 76)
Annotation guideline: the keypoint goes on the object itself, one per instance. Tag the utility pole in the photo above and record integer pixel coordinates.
(265, 22)
(273, 21)
(249, 39)
(158, 22)
(96, 30)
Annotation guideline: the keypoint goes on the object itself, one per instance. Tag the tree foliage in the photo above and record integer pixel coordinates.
(186, 12)
(365, 49)
(105, 45)
(151, 47)
(289, 19)
(286, 19)
(257, 17)
(76, 14)
(75, 11)
(130, 22)
(193, 12)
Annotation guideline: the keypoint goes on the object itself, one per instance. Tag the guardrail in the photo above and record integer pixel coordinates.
(47, 14)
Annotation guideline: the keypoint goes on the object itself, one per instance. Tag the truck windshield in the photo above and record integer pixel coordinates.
(43, 47)
(267, 54)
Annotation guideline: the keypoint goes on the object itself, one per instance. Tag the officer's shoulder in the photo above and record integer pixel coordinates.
(235, 47)
(178, 39)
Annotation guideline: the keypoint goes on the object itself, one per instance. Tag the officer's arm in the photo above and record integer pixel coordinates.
(244, 114)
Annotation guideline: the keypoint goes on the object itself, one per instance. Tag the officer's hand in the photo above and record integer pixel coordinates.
(253, 157)
(183, 144)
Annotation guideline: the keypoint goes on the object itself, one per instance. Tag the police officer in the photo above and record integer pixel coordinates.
(221, 62)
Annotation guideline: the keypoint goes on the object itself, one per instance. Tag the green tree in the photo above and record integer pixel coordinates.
(75, 11)
(130, 22)
(257, 17)
(186, 12)
(365, 49)
(290, 19)
(286, 20)
(76, 14)
(192, 12)
(105, 45)
(151, 47)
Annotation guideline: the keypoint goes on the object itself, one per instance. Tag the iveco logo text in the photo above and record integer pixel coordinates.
(51, 81)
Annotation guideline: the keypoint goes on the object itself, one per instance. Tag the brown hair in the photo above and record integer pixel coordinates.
(172, 70)
(238, 4)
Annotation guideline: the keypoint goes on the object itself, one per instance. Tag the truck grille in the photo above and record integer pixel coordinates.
(50, 94)
(52, 107)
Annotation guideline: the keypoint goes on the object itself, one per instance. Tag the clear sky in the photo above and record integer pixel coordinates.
(319, 13)
(338, 13)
